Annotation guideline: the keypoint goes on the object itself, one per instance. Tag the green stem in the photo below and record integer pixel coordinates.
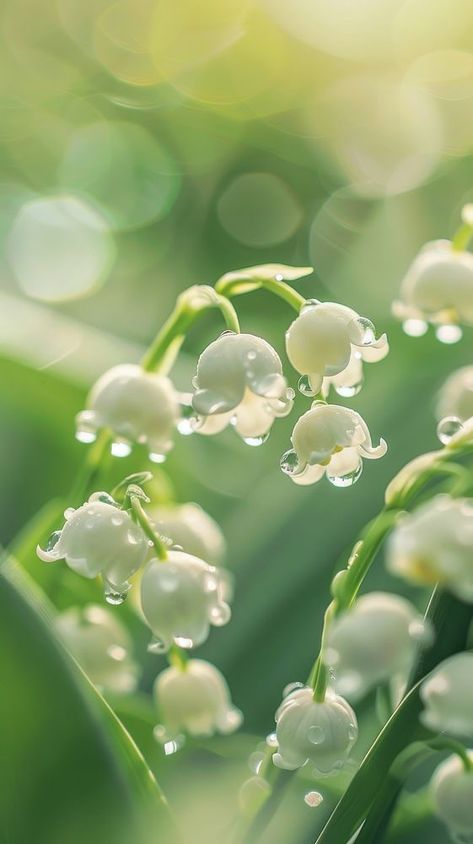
(147, 527)
(319, 675)
(236, 287)
(462, 237)
(444, 743)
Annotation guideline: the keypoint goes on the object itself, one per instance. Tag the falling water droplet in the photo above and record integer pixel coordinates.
(448, 334)
(348, 479)
(447, 428)
(292, 687)
(290, 464)
(414, 327)
(272, 740)
(120, 448)
(313, 799)
(156, 457)
(348, 391)
(53, 540)
(305, 387)
(156, 646)
(315, 734)
(256, 441)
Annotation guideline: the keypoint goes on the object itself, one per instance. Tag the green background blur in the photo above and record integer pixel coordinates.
(181, 140)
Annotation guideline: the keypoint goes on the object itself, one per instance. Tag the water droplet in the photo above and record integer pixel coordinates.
(256, 441)
(156, 646)
(313, 799)
(290, 464)
(447, 428)
(120, 448)
(156, 457)
(448, 334)
(272, 740)
(183, 642)
(251, 355)
(220, 615)
(53, 540)
(315, 734)
(292, 687)
(104, 497)
(227, 333)
(348, 391)
(309, 304)
(279, 277)
(305, 387)
(348, 479)
(187, 423)
(113, 596)
(85, 434)
(210, 584)
(368, 333)
(255, 761)
(414, 327)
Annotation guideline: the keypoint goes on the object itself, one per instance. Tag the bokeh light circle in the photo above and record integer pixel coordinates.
(259, 209)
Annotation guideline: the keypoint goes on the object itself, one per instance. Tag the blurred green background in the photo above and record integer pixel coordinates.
(147, 145)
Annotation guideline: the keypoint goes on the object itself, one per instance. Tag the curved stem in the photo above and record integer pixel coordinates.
(236, 287)
(444, 743)
(147, 527)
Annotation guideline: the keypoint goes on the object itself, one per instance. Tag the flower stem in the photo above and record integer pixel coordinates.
(444, 743)
(147, 526)
(236, 287)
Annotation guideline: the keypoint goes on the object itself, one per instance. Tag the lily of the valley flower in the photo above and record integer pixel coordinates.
(447, 695)
(308, 731)
(373, 642)
(195, 699)
(437, 288)
(331, 440)
(180, 598)
(190, 527)
(101, 645)
(434, 544)
(327, 343)
(99, 538)
(456, 395)
(138, 406)
(451, 790)
(239, 380)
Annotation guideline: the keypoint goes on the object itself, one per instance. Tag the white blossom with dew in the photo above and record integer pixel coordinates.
(137, 406)
(372, 642)
(327, 344)
(180, 598)
(239, 381)
(322, 733)
(447, 695)
(99, 538)
(194, 699)
(101, 645)
(451, 791)
(434, 544)
(329, 440)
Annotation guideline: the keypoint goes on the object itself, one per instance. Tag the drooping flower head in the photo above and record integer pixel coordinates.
(327, 344)
(451, 790)
(180, 598)
(99, 538)
(239, 380)
(456, 395)
(194, 699)
(194, 530)
(434, 544)
(374, 641)
(101, 645)
(138, 406)
(447, 695)
(437, 288)
(308, 731)
(331, 440)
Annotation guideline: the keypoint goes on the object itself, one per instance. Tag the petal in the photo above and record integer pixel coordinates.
(375, 351)
(310, 475)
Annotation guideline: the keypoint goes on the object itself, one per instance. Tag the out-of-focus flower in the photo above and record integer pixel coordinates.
(190, 527)
(239, 380)
(138, 406)
(373, 642)
(101, 645)
(437, 288)
(451, 790)
(180, 598)
(447, 695)
(309, 731)
(402, 483)
(327, 343)
(194, 699)
(456, 396)
(331, 440)
(434, 544)
(99, 538)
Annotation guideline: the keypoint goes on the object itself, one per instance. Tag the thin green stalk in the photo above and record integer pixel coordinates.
(147, 527)
(462, 237)
(236, 287)
(444, 743)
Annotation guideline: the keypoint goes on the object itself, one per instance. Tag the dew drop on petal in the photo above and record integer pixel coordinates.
(227, 333)
(220, 615)
(53, 540)
(368, 334)
(347, 391)
(184, 642)
(290, 464)
(85, 435)
(447, 428)
(292, 687)
(272, 740)
(313, 799)
(120, 448)
(315, 734)
(346, 480)
(309, 304)
(156, 457)
(305, 387)
(448, 334)
(156, 646)
(414, 327)
(113, 596)
(256, 441)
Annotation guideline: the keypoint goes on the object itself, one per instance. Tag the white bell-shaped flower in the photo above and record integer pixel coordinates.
(99, 538)
(447, 695)
(239, 380)
(194, 530)
(308, 731)
(434, 544)
(451, 790)
(194, 699)
(101, 645)
(138, 406)
(180, 598)
(374, 641)
(331, 440)
(327, 343)
(456, 396)
(437, 288)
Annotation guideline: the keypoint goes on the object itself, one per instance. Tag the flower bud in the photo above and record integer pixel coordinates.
(447, 695)
(101, 645)
(329, 341)
(196, 700)
(434, 544)
(138, 406)
(239, 380)
(99, 538)
(372, 642)
(451, 790)
(331, 440)
(180, 598)
(308, 731)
